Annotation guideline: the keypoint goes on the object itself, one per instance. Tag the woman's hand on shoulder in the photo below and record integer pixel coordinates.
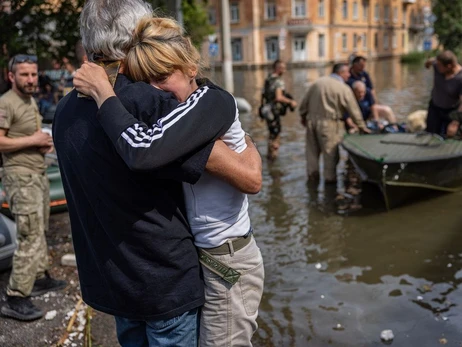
(91, 79)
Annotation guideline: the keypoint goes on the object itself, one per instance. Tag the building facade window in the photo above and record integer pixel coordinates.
(395, 14)
(376, 41)
(386, 13)
(321, 45)
(403, 40)
(299, 48)
(386, 40)
(344, 42)
(345, 9)
(394, 41)
(355, 10)
(272, 48)
(355, 42)
(364, 42)
(404, 15)
(365, 10)
(321, 8)
(212, 16)
(298, 8)
(270, 9)
(236, 49)
(234, 12)
(376, 12)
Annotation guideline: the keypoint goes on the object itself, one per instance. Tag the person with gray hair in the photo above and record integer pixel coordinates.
(366, 104)
(322, 110)
(358, 73)
(135, 252)
(106, 36)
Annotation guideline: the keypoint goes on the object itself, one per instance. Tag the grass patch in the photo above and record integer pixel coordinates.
(415, 57)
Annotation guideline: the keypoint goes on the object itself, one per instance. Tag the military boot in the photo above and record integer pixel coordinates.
(21, 308)
(47, 284)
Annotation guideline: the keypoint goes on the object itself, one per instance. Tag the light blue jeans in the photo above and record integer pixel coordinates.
(180, 331)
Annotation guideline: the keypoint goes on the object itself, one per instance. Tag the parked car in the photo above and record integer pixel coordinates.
(8, 242)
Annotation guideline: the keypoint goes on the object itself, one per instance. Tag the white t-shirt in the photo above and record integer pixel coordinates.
(216, 210)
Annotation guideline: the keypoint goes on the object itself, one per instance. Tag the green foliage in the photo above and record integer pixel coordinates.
(195, 17)
(414, 57)
(35, 27)
(196, 21)
(448, 25)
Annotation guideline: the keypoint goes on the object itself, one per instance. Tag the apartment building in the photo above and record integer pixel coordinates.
(313, 32)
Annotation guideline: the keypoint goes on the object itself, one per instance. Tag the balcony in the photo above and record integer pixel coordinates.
(416, 27)
(299, 25)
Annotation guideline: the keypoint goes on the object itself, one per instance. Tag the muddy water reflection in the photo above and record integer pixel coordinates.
(339, 281)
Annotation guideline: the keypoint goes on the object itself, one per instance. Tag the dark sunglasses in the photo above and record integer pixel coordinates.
(23, 58)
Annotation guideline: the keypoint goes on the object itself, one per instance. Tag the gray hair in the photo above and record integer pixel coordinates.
(358, 85)
(107, 26)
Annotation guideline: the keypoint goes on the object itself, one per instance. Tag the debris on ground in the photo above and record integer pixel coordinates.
(387, 335)
(50, 315)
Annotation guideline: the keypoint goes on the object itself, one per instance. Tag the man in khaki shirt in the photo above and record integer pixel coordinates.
(23, 146)
(321, 111)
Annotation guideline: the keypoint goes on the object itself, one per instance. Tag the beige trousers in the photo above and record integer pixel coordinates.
(229, 315)
(323, 137)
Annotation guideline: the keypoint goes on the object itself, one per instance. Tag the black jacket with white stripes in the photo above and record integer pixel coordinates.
(134, 250)
(204, 115)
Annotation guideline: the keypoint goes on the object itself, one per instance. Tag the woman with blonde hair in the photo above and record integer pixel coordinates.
(217, 211)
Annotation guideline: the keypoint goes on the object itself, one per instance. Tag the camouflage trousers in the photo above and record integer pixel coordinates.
(29, 200)
(274, 139)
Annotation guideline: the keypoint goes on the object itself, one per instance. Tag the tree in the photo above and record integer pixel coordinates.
(448, 25)
(196, 21)
(46, 28)
(195, 17)
(50, 28)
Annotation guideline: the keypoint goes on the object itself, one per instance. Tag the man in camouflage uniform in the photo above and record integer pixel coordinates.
(23, 146)
(275, 97)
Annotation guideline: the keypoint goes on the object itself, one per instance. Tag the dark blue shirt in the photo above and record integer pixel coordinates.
(362, 76)
(365, 106)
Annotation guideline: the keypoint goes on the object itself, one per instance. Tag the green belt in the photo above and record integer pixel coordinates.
(217, 267)
(237, 244)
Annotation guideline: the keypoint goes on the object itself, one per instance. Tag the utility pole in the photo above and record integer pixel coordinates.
(179, 12)
(174, 9)
(226, 47)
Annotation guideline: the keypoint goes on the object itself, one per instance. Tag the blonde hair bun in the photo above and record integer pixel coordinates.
(159, 48)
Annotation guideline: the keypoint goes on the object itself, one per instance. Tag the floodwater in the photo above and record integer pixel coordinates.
(340, 280)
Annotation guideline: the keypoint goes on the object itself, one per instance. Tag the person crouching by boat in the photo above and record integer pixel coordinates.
(446, 93)
(321, 112)
(369, 110)
(358, 73)
(366, 105)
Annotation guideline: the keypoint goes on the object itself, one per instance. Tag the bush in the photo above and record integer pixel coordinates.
(415, 57)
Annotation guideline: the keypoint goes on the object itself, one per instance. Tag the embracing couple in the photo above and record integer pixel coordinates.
(156, 168)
